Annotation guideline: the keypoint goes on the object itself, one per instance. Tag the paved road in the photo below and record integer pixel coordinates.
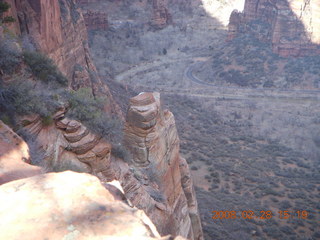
(191, 77)
(210, 89)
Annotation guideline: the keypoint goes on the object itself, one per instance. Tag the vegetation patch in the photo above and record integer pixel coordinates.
(10, 57)
(43, 68)
(89, 110)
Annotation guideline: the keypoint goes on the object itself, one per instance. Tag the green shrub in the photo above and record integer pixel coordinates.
(194, 168)
(23, 97)
(120, 151)
(44, 68)
(8, 19)
(47, 120)
(9, 57)
(90, 111)
(4, 7)
(63, 9)
(157, 196)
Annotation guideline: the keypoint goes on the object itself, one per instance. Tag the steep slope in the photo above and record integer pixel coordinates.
(58, 29)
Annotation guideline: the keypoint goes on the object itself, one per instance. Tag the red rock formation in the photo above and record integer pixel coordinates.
(291, 26)
(160, 14)
(68, 205)
(14, 157)
(157, 180)
(57, 28)
(151, 137)
(96, 20)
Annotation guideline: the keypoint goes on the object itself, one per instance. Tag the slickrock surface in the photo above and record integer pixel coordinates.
(14, 157)
(291, 26)
(68, 205)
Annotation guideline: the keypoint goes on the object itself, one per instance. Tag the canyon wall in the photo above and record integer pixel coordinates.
(292, 27)
(157, 180)
(57, 28)
(154, 178)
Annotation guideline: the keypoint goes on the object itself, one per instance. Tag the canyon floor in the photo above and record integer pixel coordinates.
(249, 147)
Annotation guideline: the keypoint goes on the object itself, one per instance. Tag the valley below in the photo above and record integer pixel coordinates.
(162, 119)
(250, 146)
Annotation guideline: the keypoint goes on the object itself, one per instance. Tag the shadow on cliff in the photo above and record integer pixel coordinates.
(280, 23)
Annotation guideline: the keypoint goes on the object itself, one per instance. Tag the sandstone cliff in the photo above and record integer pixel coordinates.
(291, 26)
(61, 205)
(157, 180)
(57, 28)
(151, 137)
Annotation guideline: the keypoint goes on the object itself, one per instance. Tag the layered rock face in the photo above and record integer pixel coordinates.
(152, 139)
(291, 26)
(68, 205)
(157, 180)
(68, 144)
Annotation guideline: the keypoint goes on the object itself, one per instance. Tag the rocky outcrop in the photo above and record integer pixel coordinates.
(152, 139)
(68, 144)
(291, 26)
(160, 14)
(14, 157)
(96, 20)
(156, 179)
(68, 205)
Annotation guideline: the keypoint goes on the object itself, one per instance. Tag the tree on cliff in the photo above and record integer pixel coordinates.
(4, 7)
